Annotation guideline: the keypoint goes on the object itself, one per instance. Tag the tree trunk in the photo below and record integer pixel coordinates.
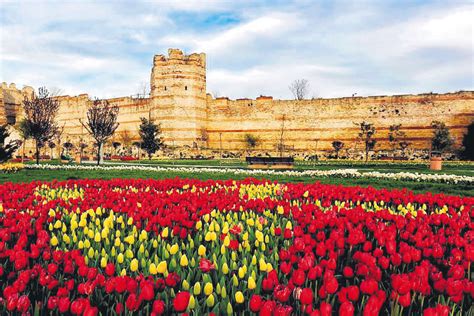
(37, 152)
(23, 153)
(99, 148)
(366, 152)
(393, 153)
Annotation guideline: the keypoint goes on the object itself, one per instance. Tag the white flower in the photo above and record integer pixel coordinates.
(341, 173)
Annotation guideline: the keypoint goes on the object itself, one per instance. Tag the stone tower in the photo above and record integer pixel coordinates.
(178, 97)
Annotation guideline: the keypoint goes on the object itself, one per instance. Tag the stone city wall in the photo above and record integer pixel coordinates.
(190, 118)
(311, 125)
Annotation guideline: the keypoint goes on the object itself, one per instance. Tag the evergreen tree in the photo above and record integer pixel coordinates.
(442, 140)
(468, 143)
(7, 150)
(150, 135)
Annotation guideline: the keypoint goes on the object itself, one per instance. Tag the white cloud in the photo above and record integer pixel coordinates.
(106, 48)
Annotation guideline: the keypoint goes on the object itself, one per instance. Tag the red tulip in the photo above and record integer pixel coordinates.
(181, 301)
(306, 296)
(159, 307)
(346, 309)
(110, 269)
(255, 303)
(206, 265)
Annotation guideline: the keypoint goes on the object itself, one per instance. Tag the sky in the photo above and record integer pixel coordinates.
(106, 48)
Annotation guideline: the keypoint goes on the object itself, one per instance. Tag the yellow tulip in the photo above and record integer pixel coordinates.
(183, 261)
(103, 262)
(130, 239)
(251, 283)
(241, 273)
(129, 254)
(152, 269)
(229, 309)
(174, 249)
(202, 251)
(225, 268)
(192, 302)
(162, 267)
(120, 258)
(97, 237)
(208, 288)
(165, 232)
(54, 241)
(239, 297)
(134, 265)
(198, 225)
(197, 288)
(227, 241)
(210, 301)
(185, 285)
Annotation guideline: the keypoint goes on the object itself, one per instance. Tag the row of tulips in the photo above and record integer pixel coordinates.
(177, 246)
(338, 173)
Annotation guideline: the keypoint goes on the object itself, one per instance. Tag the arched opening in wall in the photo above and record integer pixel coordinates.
(165, 88)
(186, 88)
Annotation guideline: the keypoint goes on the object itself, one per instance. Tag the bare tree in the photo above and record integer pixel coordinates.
(101, 123)
(58, 136)
(143, 90)
(126, 138)
(40, 114)
(299, 88)
(395, 136)
(281, 145)
(337, 145)
(82, 146)
(367, 131)
(51, 146)
(203, 138)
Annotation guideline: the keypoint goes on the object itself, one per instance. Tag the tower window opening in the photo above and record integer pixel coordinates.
(165, 88)
(185, 87)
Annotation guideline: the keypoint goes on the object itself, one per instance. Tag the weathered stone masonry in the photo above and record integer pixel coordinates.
(189, 116)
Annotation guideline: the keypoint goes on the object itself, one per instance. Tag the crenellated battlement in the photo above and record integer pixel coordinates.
(176, 56)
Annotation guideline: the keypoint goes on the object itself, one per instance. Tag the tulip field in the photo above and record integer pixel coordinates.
(253, 247)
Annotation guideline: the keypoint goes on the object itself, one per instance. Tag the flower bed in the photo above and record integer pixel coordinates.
(11, 167)
(224, 247)
(338, 173)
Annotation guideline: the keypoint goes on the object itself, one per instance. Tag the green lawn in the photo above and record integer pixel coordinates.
(48, 175)
(419, 167)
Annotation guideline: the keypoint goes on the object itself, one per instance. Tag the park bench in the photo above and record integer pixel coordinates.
(270, 162)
